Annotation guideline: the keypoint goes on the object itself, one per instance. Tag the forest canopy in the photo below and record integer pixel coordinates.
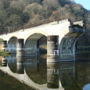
(17, 14)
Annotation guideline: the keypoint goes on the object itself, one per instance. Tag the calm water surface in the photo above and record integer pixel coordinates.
(73, 75)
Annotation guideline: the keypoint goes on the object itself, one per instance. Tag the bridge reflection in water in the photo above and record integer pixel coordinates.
(30, 63)
(37, 63)
(40, 62)
(73, 75)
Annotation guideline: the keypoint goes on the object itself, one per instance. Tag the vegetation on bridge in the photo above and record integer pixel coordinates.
(2, 52)
(16, 14)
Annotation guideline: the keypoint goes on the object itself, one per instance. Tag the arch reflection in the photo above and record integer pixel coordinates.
(75, 75)
(35, 53)
(12, 54)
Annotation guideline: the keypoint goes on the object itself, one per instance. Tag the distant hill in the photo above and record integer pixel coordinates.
(17, 14)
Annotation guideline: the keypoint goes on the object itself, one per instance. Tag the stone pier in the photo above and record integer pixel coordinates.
(19, 56)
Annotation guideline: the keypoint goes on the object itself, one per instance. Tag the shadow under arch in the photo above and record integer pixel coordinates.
(35, 54)
(12, 54)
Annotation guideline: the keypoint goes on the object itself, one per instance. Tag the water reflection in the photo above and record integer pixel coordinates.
(53, 75)
(12, 63)
(36, 70)
(35, 58)
(75, 75)
(35, 67)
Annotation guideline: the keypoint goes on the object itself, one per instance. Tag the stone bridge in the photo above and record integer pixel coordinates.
(48, 43)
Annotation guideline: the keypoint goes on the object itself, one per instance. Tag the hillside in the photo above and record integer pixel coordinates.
(17, 14)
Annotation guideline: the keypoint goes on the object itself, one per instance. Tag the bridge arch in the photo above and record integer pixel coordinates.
(35, 51)
(34, 32)
(12, 50)
(12, 44)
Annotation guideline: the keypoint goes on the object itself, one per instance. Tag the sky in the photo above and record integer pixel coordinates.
(84, 3)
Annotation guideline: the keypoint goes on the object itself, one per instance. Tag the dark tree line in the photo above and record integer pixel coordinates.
(17, 14)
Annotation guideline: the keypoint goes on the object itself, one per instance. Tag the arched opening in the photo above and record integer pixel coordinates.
(35, 54)
(12, 54)
(12, 45)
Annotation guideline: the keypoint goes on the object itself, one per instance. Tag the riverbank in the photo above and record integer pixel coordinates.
(9, 83)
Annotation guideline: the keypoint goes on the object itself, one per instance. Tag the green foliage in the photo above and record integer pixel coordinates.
(3, 53)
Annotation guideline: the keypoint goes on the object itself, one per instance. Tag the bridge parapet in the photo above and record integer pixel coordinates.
(54, 28)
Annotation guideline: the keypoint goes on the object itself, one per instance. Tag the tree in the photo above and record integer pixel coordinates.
(3, 17)
(13, 22)
(34, 9)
